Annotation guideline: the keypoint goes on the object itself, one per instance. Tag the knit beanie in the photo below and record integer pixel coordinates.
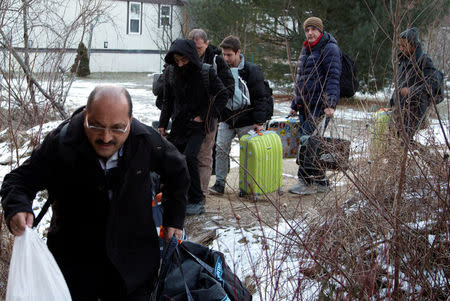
(313, 21)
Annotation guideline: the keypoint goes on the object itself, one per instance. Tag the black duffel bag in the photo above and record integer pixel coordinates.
(190, 271)
(318, 152)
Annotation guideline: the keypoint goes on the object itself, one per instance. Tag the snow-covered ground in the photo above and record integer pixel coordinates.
(246, 258)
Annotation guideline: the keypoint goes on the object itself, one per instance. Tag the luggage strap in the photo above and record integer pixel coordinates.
(322, 124)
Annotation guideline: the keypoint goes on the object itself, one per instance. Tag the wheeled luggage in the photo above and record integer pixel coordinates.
(318, 152)
(287, 129)
(380, 131)
(260, 159)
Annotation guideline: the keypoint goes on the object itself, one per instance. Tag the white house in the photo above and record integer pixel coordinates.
(121, 35)
(135, 36)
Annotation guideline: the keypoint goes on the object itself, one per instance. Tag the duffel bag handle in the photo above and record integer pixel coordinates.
(171, 249)
(322, 124)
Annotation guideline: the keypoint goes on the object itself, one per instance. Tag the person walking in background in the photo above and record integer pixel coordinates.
(96, 168)
(188, 103)
(211, 55)
(240, 122)
(317, 93)
(417, 82)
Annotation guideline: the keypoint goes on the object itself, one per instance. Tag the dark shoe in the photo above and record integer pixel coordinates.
(217, 189)
(195, 209)
(302, 188)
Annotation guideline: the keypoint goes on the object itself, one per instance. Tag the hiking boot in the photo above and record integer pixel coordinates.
(217, 189)
(302, 188)
(195, 209)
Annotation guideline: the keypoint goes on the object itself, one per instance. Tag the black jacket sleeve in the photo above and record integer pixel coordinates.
(20, 186)
(259, 97)
(168, 102)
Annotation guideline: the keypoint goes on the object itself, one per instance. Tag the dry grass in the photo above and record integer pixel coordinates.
(6, 244)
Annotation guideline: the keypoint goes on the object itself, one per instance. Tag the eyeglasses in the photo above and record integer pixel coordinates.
(101, 130)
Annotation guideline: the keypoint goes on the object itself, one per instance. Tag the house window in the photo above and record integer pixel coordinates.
(165, 15)
(134, 17)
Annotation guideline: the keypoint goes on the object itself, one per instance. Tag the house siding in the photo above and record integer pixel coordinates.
(125, 52)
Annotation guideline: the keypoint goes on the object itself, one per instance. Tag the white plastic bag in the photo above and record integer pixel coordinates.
(33, 272)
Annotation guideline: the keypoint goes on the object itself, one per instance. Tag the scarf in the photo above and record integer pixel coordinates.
(308, 45)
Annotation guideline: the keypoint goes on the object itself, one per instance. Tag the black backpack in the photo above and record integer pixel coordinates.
(348, 82)
(269, 92)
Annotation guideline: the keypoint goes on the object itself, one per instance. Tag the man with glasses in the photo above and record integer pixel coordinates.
(96, 168)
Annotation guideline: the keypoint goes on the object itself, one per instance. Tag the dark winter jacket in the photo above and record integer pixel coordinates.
(186, 95)
(318, 74)
(261, 103)
(213, 57)
(86, 224)
(417, 72)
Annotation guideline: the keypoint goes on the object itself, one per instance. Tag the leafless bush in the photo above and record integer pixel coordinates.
(383, 235)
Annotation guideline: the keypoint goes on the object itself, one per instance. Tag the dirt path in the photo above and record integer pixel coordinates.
(230, 210)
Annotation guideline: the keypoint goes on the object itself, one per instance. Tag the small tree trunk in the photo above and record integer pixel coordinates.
(30, 85)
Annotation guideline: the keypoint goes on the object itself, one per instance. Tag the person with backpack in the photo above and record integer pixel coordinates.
(317, 93)
(188, 103)
(418, 82)
(96, 168)
(249, 109)
(211, 55)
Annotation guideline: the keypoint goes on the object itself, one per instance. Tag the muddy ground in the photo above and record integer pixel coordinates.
(230, 210)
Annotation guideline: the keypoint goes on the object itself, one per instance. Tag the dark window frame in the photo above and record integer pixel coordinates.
(129, 19)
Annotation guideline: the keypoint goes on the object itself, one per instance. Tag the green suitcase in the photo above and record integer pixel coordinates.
(380, 133)
(260, 158)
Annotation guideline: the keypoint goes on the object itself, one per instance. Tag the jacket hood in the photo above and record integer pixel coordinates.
(185, 48)
(242, 62)
(331, 39)
(412, 36)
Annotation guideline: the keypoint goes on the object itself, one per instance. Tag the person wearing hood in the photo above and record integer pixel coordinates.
(317, 93)
(210, 54)
(417, 82)
(188, 103)
(240, 122)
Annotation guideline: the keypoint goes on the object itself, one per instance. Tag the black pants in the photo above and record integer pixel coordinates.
(95, 278)
(308, 123)
(191, 149)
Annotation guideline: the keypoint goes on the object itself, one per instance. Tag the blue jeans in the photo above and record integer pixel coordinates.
(309, 119)
(225, 136)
